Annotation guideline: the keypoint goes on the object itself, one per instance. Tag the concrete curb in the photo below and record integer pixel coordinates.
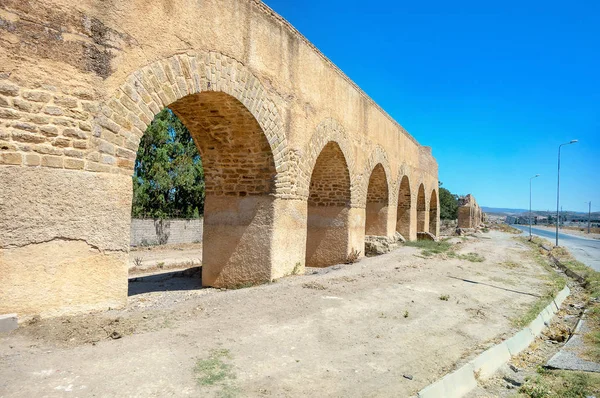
(460, 382)
(8, 323)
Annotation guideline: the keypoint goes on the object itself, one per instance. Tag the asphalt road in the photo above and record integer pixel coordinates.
(585, 250)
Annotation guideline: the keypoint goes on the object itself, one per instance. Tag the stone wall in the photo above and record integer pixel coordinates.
(164, 232)
(81, 81)
(469, 212)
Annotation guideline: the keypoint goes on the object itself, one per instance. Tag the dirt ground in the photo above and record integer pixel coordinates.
(385, 326)
(150, 259)
(506, 382)
(572, 231)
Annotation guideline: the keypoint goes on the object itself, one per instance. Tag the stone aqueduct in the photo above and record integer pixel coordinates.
(300, 164)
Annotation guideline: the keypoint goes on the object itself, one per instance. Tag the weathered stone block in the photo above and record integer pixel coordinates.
(50, 131)
(10, 89)
(73, 164)
(6, 113)
(10, 158)
(32, 159)
(36, 96)
(52, 161)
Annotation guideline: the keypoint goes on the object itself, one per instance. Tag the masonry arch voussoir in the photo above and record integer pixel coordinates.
(122, 119)
(329, 130)
(378, 156)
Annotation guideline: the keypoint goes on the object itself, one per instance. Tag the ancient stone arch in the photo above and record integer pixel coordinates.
(239, 134)
(74, 104)
(124, 117)
(329, 201)
(377, 203)
(377, 156)
(329, 130)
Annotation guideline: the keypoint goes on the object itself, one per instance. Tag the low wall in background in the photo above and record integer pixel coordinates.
(146, 232)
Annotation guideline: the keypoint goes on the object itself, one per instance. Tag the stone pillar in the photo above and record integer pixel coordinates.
(356, 230)
(288, 249)
(64, 241)
(239, 233)
(328, 235)
(413, 224)
(378, 220)
(421, 220)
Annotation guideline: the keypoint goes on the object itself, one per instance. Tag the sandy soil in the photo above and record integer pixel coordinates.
(149, 259)
(376, 328)
(568, 231)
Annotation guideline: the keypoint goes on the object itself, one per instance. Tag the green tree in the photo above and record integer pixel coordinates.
(168, 180)
(448, 204)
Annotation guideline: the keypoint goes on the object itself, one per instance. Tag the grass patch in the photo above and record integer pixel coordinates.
(430, 247)
(472, 257)
(592, 288)
(510, 264)
(445, 297)
(592, 338)
(506, 228)
(215, 372)
(554, 284)
(561, 384)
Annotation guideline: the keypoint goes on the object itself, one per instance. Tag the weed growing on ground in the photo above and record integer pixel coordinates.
(214, 370)
(353, 257)
(313, 285)
(297, 269)
(472, 257)
(445, 297)
(561, 384)
(430, 247)
(137, 261)
(592, 287)
(510, 264)
(506, 228)
(554, 284)
(406, 314)
(592, 338)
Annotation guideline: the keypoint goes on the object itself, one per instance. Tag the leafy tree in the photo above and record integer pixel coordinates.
(168, 180)
(448, 204)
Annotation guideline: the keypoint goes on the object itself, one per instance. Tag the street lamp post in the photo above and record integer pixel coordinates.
(558, 188)
(589, 216)
(535, 176)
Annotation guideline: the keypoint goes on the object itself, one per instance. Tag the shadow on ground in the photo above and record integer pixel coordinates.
(189, 279)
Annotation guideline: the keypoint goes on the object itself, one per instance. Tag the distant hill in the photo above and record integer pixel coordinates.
(507, 212)
(502, 210)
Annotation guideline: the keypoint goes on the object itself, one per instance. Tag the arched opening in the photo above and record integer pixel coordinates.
(239, 174)
(404, 206)
(421, 209)
(328, 207)
(377, 203)
(433, 213)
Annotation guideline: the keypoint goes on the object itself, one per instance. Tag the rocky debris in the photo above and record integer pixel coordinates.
(376, 245)
(426, 236)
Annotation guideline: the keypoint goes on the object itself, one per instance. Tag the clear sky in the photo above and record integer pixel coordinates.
(493, 87)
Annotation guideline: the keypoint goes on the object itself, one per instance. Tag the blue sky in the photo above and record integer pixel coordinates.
(493, 87)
